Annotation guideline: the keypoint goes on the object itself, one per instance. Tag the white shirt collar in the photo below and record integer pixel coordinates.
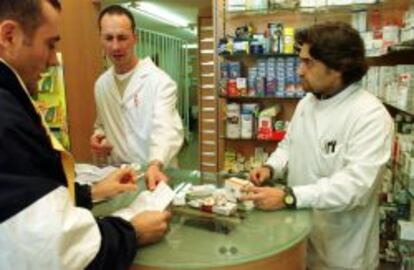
(340, 96)
(143, 68)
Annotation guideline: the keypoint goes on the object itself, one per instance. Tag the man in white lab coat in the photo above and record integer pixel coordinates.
(336, 146)
(137, 120)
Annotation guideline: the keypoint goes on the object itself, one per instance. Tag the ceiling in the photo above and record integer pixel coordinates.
(187, 9)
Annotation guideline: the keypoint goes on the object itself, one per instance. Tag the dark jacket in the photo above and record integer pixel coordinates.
(30, 168)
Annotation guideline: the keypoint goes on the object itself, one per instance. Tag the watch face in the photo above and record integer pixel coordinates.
(289, 200)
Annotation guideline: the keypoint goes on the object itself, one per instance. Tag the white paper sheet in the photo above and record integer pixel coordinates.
(90, 174)
(157, 200)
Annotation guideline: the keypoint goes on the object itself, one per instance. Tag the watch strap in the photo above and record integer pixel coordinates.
(289, 198)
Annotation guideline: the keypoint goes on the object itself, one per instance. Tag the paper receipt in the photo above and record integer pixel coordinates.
(157, 200)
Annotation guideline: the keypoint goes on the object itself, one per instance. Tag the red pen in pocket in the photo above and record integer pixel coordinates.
(136, 100)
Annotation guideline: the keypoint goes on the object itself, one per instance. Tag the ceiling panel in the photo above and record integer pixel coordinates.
(187, 9)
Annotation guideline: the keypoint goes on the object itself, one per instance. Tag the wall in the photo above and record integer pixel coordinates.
(82, 65)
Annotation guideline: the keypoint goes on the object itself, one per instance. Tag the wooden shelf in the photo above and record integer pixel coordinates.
(403, 46)
(250, 140)
(401, 53)
(262, 55)
(394, 107)
(303, 10)
(245, 98)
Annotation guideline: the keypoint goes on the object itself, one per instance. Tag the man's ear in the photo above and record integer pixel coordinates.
(9, 31)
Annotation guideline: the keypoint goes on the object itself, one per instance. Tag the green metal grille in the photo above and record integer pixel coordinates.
(170, 54)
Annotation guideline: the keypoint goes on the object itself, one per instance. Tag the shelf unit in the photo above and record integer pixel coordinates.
(207, 101)
(402, 53)
(399, 54)
(225, 23)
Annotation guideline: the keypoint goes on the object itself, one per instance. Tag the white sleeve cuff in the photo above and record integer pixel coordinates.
(306, 196)
(278, 161)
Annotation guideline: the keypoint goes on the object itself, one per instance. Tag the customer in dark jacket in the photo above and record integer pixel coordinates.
(42, 227)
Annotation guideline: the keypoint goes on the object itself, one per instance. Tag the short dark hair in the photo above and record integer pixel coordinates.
(118, 10)
(338, 46)
(28, 13)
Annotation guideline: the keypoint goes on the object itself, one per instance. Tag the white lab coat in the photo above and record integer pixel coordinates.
(144, 124)
(339, 183)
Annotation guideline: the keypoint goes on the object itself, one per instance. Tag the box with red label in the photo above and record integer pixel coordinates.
(265, 128)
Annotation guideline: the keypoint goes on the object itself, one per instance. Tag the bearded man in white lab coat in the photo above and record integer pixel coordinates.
(336, 146)
(137, 120)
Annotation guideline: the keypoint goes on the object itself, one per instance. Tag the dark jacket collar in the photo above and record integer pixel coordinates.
(9, 82)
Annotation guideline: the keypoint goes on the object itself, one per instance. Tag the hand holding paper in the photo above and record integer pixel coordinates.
(114, 184)
(150, 226)
(157, 200)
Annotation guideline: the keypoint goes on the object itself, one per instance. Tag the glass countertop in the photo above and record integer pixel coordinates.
(200, 242)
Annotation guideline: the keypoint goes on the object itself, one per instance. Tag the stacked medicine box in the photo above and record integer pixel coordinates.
(273, 76)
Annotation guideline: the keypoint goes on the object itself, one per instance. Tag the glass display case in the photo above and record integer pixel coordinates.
(254, 240)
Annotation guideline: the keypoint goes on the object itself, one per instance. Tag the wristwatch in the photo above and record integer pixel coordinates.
(289, 198)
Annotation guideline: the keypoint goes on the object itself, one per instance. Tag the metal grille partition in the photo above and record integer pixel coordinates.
(171, 55)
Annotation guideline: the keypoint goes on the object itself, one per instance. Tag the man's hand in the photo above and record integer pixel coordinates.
(259, 175)
(150, 226)
(154, 175)
(265, 198)
(119, 181)
(99, 145)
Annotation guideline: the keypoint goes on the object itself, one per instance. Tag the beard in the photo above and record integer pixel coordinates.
(306, 86)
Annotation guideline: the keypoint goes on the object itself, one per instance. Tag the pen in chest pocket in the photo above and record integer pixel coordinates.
(329, 147)
(136, 100)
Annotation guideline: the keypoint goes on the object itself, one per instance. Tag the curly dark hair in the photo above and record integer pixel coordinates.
(28, 13)
(338, 46)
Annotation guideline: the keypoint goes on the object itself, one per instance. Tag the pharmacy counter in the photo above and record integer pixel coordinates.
(259, 240)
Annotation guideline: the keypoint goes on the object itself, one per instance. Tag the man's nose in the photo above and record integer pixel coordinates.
(301, 70)
(115, 44)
